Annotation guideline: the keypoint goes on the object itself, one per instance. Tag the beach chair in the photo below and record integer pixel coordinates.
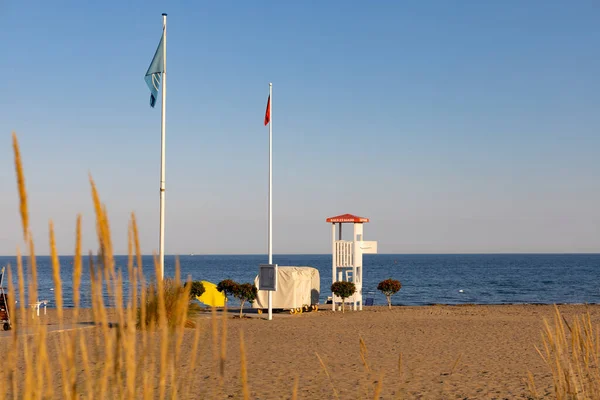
(4, 309)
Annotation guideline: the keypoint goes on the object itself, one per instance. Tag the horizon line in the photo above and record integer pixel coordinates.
(328, 254)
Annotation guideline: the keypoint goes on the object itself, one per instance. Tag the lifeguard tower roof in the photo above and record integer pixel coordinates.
(347, 218)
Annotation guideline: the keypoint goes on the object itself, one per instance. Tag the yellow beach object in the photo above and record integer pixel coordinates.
(211, 296)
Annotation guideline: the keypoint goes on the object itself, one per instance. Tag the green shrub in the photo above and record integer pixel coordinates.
(344, 290)
(227, 287)
(196, 290)
(245, 292)
(389, 287)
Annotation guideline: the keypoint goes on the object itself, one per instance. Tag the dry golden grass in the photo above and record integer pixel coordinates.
(329, 378)
(572, 353)
(122, 374)
(21, 186)
(175, 304)
(244, 368)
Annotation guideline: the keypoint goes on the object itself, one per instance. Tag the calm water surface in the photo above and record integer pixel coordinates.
(426, 279)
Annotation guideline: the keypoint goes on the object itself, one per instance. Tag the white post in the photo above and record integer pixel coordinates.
(333, 263)
(161, 240)
(270, 294)
(358, 263)
(355, 250)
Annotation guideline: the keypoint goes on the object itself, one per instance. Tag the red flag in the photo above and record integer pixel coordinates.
(268, 112)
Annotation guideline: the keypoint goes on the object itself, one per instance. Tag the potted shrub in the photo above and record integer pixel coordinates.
(245, 292)
(344, 290)
(196, 289)
(389, 287)
(227, 287)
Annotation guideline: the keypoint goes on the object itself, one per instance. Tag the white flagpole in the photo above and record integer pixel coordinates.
(161, 246)
(270, 294)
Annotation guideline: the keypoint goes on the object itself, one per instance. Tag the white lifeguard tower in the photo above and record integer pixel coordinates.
(347, 257)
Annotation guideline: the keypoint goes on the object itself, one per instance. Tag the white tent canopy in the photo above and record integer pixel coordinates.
(296, 286)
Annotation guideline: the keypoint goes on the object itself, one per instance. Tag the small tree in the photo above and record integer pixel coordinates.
(245, 292)
(197, 289)
(344, 290)
(227, 287)
(389, 287)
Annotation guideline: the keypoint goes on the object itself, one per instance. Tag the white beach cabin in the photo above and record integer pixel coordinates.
(347, 257)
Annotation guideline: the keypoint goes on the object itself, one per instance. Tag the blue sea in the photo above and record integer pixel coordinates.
(426, 279)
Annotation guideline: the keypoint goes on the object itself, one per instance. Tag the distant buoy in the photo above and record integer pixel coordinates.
(51, 289)
(461, 291)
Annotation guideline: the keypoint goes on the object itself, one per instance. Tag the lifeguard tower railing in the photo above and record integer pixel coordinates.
(346, 261)
(347, 270)
(344, 253)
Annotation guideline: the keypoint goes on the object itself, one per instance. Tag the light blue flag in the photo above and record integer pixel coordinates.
(153, 75)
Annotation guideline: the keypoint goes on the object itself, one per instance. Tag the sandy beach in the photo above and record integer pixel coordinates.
(447, 352)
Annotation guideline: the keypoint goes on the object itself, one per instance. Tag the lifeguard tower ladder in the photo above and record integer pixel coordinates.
(347, 257)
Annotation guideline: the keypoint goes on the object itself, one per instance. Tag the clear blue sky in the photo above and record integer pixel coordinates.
(455, 126)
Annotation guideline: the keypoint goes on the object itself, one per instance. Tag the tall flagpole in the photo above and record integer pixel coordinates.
(270, 293)
(161, 246)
